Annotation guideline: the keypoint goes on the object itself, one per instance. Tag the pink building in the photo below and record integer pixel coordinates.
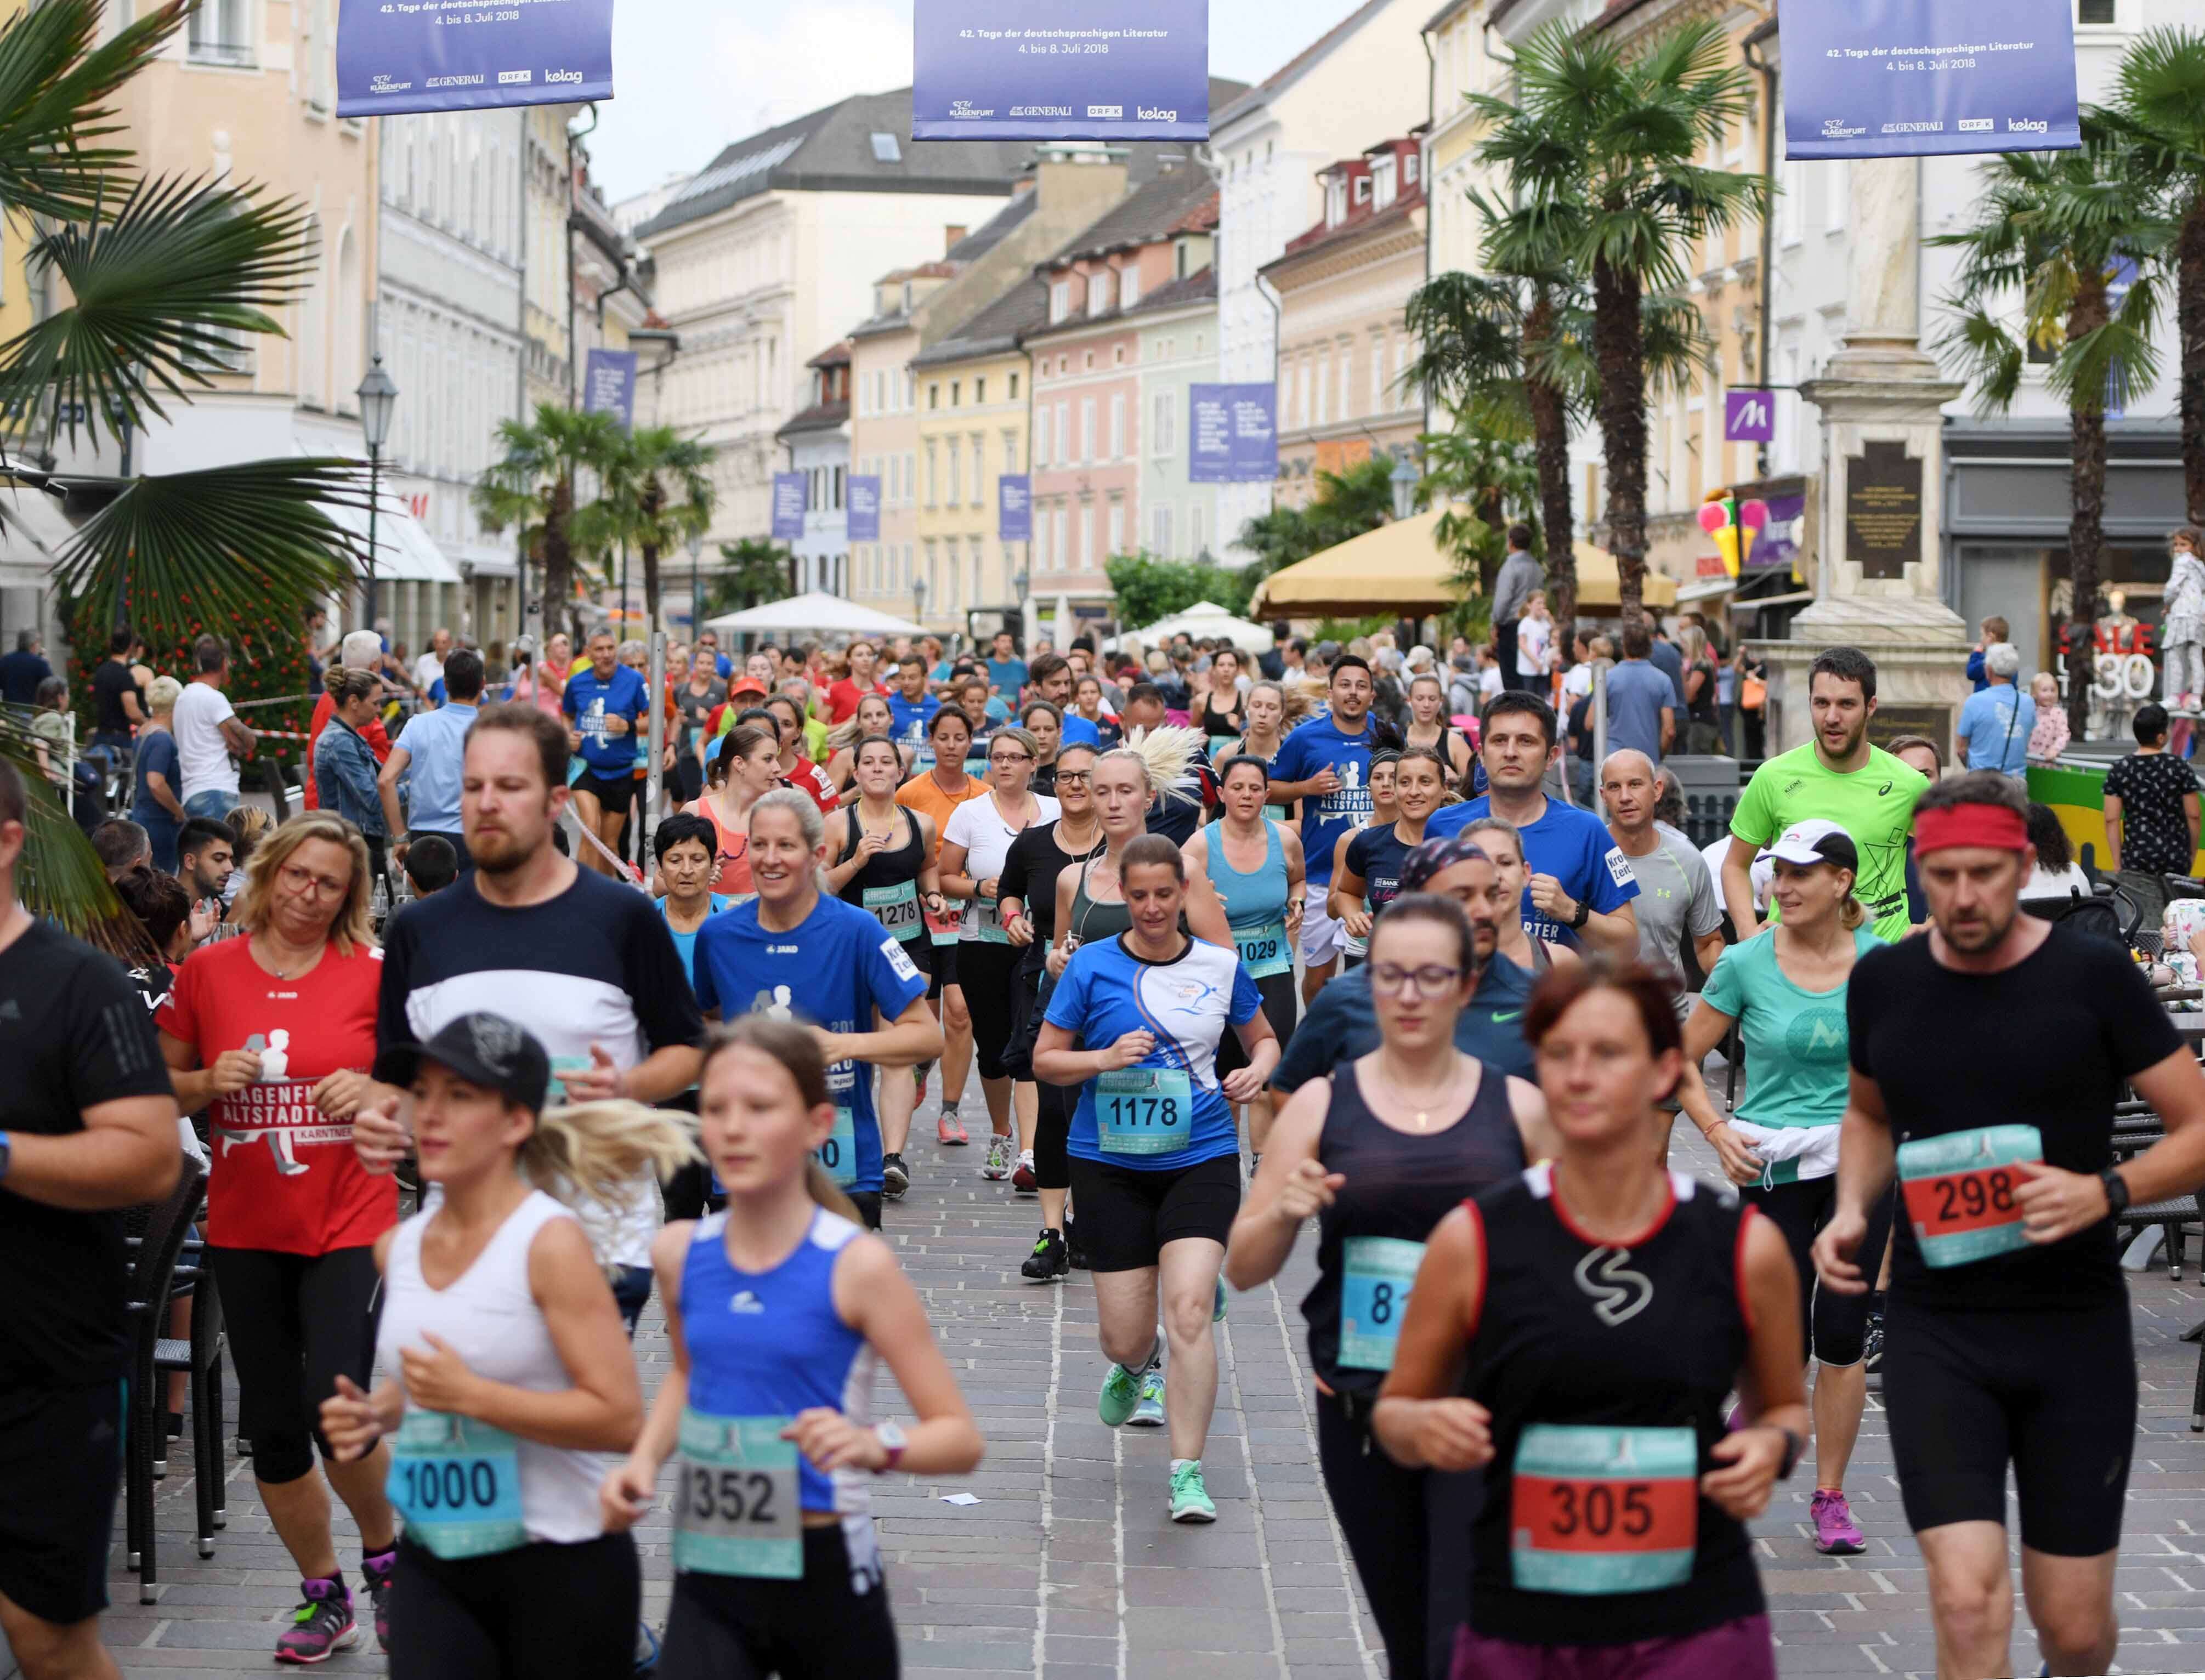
(1085, 446)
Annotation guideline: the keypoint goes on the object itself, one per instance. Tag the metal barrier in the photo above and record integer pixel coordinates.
(1707, 816)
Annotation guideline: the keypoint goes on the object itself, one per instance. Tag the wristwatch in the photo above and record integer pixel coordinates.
(1794, 1445)
(893, 1438)
(1584, 915)
(2117, 1187)
(5, 1151)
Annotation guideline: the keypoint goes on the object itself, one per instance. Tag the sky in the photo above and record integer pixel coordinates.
(691, 75)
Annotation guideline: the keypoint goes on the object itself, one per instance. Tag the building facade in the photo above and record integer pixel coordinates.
(817, 441)
(1178, 349)
(548, 165)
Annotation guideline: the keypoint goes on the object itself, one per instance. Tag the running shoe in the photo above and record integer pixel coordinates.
(1074, 1255)
(1836, 1534)
(1121, 1392)
(1022, 1175)
(921, 1071)
(1000, 1153)
(947, 1129)
(1217, 1312)
(1189, 1500)
(1149, 1413)
(321, 1627)
(895, 1177)
(1046, 1264)
(646, 1649)
(376, 1572)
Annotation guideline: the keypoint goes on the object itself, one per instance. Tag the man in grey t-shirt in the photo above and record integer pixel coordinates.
(1513, 585)
(1677, 898)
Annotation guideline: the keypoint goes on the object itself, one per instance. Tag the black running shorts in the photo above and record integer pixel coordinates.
(615, 794)
(61, 1461)
(1127, 1215)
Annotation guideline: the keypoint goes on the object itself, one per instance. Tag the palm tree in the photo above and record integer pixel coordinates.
(2159, 108)
(1601, 147)
(2056, 230)
(754, 573)
(657, 492)
(533, 487)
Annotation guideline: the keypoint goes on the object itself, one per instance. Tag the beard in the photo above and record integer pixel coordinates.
(1976, 936)
(501, 852)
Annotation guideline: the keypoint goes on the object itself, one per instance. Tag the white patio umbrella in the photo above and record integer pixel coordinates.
(815, 612)
(1204, 618)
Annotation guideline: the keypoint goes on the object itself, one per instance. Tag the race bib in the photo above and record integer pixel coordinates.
(1264, 951)
(1355, 945)
(897, 908)
(987, 921)
(1143, 1111)
(1597, 1509)
(561, 1067)
(456, 1481)
(1373, 1295)
(1220, 746)
(839, 1154)
(947, 926)
(737, 1507)
(1959, 1191)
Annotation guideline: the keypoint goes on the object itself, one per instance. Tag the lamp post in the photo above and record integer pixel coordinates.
(1402, 479)
(378, 397)
(696, 595)
(919, 601)
(1019, 585)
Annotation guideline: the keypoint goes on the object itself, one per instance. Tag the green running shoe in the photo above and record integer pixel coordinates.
(1217, 1313)
(1121, 1393)
(1189, 1500)
(1149, 1414)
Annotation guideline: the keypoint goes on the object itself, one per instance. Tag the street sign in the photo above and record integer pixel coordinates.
(1748, 417)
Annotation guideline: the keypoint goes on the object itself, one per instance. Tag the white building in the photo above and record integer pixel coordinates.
(818, 443)
(1178, 349)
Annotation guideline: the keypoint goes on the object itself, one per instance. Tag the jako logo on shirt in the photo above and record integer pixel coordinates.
(744, 1301)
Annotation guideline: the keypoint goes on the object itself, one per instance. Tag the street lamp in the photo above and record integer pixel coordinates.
(696, 595)
(1402, 479)
(919, 600)
(378, 397)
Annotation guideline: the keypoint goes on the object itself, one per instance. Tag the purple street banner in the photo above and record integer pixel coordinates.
(1748, 417)
(1014, 508)
(398, 56)
(1233, 435)
(1778, 540)
(1074, 70)
(609, 385)
(862, 493)
(1918, 78)
(788, 490)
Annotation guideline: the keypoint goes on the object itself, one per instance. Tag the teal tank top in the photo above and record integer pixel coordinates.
(1258, 897)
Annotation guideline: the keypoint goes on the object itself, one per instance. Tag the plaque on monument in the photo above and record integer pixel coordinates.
(1889, 722)
(1883, 509)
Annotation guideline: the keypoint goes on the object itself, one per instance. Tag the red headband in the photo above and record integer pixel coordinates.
(1998, 827)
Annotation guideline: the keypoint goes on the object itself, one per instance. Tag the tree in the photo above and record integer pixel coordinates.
(1147, 588)
(656, 493)
(2055, 230)
(1487, 481)
(1346, 505)
(1602, 146)
(2159, 109)
(533, 487)
(754, 573)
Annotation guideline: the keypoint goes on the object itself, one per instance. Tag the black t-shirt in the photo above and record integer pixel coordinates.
(109, 683)
(1030, 870)
(1377, 855)
(2045, 1043)
(2154, 828)
(74, 1034)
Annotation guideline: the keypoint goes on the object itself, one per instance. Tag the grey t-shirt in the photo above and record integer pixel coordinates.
(1677, 900)
(1637, 693)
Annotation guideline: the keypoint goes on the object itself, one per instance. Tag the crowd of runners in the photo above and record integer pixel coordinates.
(1227, 958)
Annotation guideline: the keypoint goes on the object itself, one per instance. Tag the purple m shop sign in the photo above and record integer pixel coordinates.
(1748, 417)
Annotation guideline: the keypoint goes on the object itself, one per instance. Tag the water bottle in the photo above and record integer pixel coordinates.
(380, 905)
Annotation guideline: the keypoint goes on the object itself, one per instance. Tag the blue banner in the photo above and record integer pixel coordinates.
(1233, 434)
(1014, 508)
(397, 55)
(863, 503)
(609, 385)
(788, 497)
(1096, 69)
(1916, 78)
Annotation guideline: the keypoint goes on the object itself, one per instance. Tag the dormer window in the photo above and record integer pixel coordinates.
(1408, 169)
(1129, 287)
(1362, 189)
(1382, 183)
(1060, 301)
(1335, 202)
(1100, 291)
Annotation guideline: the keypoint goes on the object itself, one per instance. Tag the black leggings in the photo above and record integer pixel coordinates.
(539, 1609)
(1381, 1508)
(1835, 1326)
(1052, 1131)
(820, 1628)
(296, 1322)
(987, 973)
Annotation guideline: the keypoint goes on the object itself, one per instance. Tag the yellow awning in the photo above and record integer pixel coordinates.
(1596, 585)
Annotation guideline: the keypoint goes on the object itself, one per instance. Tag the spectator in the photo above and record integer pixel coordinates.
(1667, 659)
(432, 748)
(206, 855)
(361, 650)
(1702, 726)
(117, 706)
(429, 668)
(1999, 719)
(208, 730)
(2055, 875)
(2048, 739)
(23, 670)
(1490, 681)
(1995, 631)
(1519, 576)
(122, 845)
(1272, 661)
(1535, 636)
(432, 863)
(344, 765)
(2151, 812)
(1640, 715)
(156, 803)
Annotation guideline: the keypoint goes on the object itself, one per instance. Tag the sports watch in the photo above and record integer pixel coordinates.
(1584, 913)
(4, 1152)
(2117, 1187)
(893, 1438)
(1794, 1445)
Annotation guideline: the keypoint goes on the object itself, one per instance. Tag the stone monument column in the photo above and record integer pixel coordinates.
(1880, 491)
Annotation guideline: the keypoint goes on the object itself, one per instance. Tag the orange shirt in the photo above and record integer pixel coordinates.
(922, 792)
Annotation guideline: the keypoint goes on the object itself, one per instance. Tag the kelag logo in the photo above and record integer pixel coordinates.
(552, 77)
(1151, 114)
(2024, 125)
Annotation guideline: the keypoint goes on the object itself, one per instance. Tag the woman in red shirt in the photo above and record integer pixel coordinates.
(274, 1035)
(746, 767)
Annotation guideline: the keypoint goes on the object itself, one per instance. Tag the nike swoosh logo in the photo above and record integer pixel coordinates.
(1512, 1015)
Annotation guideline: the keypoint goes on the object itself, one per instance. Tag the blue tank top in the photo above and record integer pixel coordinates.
(1258, 897)
(771, 1344)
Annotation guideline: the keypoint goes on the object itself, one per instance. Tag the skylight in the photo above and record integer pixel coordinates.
(886, 150)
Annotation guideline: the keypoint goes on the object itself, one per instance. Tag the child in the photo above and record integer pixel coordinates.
(432, 863)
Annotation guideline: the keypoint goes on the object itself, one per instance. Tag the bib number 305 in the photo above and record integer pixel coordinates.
(1594, 1509)
(737, 1510)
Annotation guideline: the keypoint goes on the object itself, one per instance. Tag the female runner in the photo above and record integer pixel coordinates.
(1427, 727)
(1384, 812)
(873, 718)
(938, 793)
(746, 769)
(1224, 716)
(1369, 873)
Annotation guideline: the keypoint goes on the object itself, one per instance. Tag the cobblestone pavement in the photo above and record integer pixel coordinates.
(1068, 1568)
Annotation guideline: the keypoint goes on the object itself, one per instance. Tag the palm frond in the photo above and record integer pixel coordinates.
(2159, 89)
(55, 78)
(60, 878)
(1978, 345)
(1678, 348)
(2110, 365)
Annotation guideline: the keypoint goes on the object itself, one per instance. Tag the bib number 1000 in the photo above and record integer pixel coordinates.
(447, 1484)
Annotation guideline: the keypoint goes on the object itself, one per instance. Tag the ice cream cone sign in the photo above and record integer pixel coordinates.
(1753, 521)
(1719, 518)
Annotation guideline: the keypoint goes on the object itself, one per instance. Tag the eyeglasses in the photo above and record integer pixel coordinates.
(1067, 778)
(304, 880)
(1430, 982)
(1008, 757)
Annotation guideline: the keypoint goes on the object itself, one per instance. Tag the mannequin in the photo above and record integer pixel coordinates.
(2185, 634)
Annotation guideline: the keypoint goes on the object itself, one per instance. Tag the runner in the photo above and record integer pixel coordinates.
(1428, 727)
(1500, 841)
(1051, 680)
(883, 862)
(1326, 764)
(796, 770)
(686, 848)
(1787, 993)
(743, 770)
(1606, 1309)
(506, 1371)
(1677, 908)
(795, 954)
(1839, 776)
(1155, 1166)
(698, 692)
(910, 708)
(1043, 720)
(842, 698)
(1273, 714)
(274, 1035)
(1369, 871)
(2007, 1323)
(778, 1312)
(1385, 764)
(1031, 868)
(872, 719)
(1248, 869)
(605, 704)
(1581, 887)
(938, 793)
(1223, 726)
(973, 847)
(1087, 706)
(1357, 1150)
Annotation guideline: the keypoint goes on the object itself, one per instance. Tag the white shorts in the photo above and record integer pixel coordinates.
(1322, 937)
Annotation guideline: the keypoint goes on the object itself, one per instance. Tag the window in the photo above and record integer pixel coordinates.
(1042, 553)
(956, 390)
(886, 150)
(930, 472)
(1362, 189)
(933, 583)
(1118, 427)
(1087, 536)
(1099, 292)
(1010, 451)
(956, 474)
(1194, 543)
(1014, 388)
(1088, 441)
(1335, 202)
(1117, 527)
(1837, 185)
(934, 396)
(1377, 376)
(1041, 454)
(1065, 454)
(1159, 523)
(979, 464)
(222, 33)
(1382, 183)
(841, 478)
(979, 391)
(2099, 12)
(1409, 162)
(1056, 536)
(1324, 392)
(1791, 203)
(1129, 287)
(1060, 300)
(1302, 393)
(1162, 411)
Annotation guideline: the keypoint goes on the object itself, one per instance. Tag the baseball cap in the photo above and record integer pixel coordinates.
(745, 685)
(1815, 840)
(483, 1049)
(524, 646)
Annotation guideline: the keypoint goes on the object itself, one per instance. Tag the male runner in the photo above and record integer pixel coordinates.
(1678, 907)
(1326, 764)
(2007, 1328)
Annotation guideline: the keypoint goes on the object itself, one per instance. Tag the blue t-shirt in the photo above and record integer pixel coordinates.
(1637, 693)
(1079, 731)
(1321, 745)
(909, 719)
(1570, 844)
(1997, 739)
(686, 943)
(588, 702)
(435, 745)
(1107, 992)
(1342, 1023)
(156, 754)
(833, 970)
(1008, 675)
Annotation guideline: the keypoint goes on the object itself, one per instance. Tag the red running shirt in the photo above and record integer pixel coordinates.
(285, 1176)
(842, 700)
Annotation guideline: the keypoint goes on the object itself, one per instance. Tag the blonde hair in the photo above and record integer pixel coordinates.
(351, 929)
(795, 1047)
(1297, 703)
(595, 1151)
(1020, 733)
(848, 732)
(1164, 754)
(161, 695)
(1852, 913)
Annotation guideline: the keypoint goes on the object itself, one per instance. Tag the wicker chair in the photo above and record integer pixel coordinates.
(152, 1276)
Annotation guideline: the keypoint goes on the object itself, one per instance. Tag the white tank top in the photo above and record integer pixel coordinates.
(489, 1316)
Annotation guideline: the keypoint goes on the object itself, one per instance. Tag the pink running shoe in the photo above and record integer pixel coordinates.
(949, 1128)
(1836, 1534)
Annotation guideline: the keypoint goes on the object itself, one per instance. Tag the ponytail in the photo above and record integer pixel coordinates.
(797, 1050)
(594, 1151)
